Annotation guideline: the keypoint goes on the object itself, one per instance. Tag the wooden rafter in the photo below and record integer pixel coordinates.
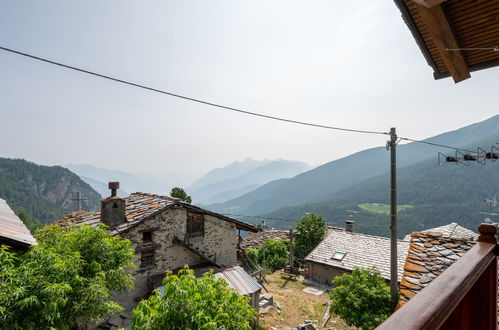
(437, 25)
(429, 3)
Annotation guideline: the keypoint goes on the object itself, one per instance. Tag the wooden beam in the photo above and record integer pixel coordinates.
(429, 3)
(437, 25)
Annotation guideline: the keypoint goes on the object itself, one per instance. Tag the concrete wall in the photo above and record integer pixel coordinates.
(323, 274)
(218, 243)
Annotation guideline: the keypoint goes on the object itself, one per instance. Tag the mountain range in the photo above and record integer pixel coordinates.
(240, 177)
(362, 177)
(151, 182)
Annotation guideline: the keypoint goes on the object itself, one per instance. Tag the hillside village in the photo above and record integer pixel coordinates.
(124, 207)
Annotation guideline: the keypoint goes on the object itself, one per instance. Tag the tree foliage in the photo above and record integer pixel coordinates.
(67, 277)
(273, 254)
(361, 299)
(180, 193)
(310, 231)
(192, 303)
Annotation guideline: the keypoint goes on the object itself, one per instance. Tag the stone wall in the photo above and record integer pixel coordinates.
(323, 274)
(218, 243)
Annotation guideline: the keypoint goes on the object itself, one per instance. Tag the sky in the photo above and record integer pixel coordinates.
(350, 64)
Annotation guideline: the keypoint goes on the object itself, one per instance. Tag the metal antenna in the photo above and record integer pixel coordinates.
(78, 200)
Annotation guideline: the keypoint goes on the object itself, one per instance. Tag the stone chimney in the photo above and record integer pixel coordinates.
(112, 211)
(349, 225)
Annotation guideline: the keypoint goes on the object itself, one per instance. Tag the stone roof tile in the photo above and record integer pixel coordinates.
(417, 276)
(361, 251)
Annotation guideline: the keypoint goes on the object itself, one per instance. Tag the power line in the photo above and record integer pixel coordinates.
(436, 144)
(192, 99)
(188, 98)
(291, 220)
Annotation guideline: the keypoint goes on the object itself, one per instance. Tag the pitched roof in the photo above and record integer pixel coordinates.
(141, 206)
(12, 230)
(361, 251)
(451, 230)
(430, 253)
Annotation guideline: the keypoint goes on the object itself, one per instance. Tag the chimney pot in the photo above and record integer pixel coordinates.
(349, 225)
(113, 208)
(114, 186)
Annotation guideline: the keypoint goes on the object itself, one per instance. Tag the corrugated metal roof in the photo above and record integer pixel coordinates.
(12, 228)
(237, 278)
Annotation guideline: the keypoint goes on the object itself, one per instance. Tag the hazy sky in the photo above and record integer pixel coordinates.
(339, 63)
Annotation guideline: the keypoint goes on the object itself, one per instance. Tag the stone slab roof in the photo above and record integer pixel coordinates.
(452, 230)
(361, 251)
(254, 240)
(141, 206)
(430, 253)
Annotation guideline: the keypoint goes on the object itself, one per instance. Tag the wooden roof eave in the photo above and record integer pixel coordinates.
(435, 20)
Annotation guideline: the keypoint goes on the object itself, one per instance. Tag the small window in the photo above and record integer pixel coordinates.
(147, 258)
(338, 256)
(195, 224)
(147, 236)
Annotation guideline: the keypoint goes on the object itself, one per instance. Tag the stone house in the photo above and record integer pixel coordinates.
(166, 234)
(342, 250)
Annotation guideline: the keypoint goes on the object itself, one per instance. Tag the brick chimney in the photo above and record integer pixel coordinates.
(349, 225)
(112, 211)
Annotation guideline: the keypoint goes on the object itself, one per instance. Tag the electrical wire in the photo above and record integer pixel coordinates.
(436, 144)
(192, 99)
(291, 220)
(188, 98)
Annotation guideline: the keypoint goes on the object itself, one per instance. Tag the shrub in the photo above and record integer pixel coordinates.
(361, 299)
(192, 303)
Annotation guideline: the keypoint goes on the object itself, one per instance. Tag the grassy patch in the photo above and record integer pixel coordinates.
(383, 209)
(296, 305)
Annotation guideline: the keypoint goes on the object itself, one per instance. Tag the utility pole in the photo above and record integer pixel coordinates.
(291, 261)
(393, 218)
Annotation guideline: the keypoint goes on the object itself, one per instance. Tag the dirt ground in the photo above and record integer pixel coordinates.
(296, 305)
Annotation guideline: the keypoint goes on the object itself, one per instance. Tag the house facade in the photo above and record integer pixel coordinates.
(167, 234)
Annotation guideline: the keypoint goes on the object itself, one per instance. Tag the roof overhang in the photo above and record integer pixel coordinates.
(455, 36)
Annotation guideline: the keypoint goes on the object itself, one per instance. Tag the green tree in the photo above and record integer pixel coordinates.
(66, 278)
(361, 299)
(310, 231)
(273, 254)
(180, 193)
(192, 303)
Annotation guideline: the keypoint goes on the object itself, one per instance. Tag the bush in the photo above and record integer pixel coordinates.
(361, 299)
(253, 255)
(273, 254)
(192, 303)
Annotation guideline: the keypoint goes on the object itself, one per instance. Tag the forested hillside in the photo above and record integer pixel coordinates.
(439, 195)
(325, 182)
(42, 193)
